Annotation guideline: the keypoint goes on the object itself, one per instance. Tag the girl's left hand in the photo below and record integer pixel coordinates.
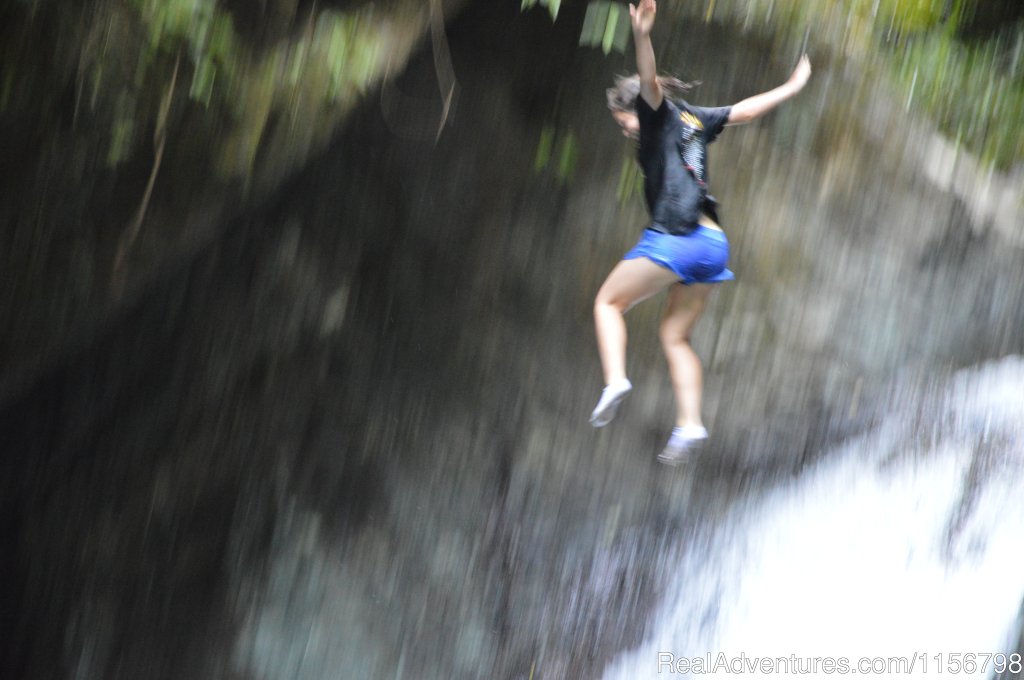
(801, 73)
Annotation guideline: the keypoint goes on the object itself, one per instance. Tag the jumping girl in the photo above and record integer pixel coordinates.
(683, 243)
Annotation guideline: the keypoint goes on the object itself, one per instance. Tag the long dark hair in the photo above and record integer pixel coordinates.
(623, 96)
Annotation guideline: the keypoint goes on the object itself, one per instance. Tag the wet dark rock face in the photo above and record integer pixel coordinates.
(325, 417)
(349, 439)
(134, 132)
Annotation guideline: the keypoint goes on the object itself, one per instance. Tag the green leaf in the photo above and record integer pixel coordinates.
(608, 39)
(202, 81)
(594, 23)
(631, 181)
(547, 141)
(621, 39)
(567, 156)
(605, 24)
(121, 136)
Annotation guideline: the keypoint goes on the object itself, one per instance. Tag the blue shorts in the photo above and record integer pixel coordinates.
(698, 257)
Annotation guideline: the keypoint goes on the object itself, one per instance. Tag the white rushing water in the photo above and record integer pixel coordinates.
(850, 569)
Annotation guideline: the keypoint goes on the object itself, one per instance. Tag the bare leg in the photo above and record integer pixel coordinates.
(685, 306)
(630, 282)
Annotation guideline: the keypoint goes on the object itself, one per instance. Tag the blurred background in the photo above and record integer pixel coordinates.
(298, 352)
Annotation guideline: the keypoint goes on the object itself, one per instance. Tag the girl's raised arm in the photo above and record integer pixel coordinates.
(642, 18)
(760, 104)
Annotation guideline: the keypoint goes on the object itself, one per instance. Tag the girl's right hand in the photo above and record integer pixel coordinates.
(642, 16)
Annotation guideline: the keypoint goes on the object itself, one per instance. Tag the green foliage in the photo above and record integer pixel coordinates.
(901, 16)
(631, 180)
(202, 81)
(205, 32)
(552, 5)
(120, 144)
(331, 61)
(562, 149)
(544, 147)
(606, 24)
(974, 91)
(349, 52)
(567, 156)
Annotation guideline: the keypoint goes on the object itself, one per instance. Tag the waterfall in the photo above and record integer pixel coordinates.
(904, 546)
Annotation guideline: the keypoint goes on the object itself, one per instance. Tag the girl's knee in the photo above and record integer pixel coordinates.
(672, 335)
(607, 301)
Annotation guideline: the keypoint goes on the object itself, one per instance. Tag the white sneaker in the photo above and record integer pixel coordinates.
(608, 404)
(683, 445)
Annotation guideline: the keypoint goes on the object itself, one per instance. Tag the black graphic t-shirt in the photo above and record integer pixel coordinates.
(673, 156)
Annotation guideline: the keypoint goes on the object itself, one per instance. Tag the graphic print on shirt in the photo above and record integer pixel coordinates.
(691, 148)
